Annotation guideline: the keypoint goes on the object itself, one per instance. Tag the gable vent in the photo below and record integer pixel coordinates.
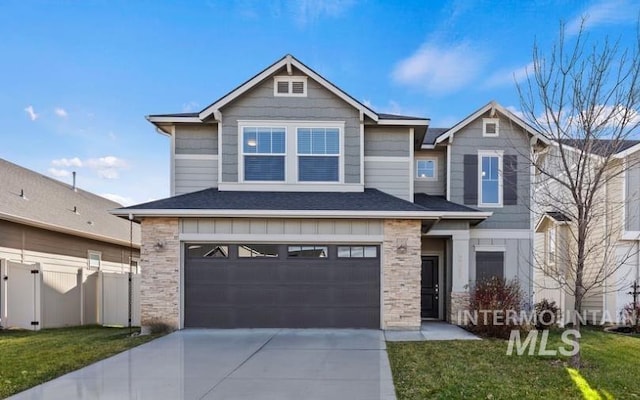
(283, 87)
(297, 87)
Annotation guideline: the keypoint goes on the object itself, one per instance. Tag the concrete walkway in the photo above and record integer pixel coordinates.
(432, 330)
(237, 364)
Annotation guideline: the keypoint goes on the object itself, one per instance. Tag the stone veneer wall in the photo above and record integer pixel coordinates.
(401, 274)
(160, 285)
(458, 303)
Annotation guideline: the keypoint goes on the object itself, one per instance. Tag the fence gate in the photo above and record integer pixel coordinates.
(20, 294)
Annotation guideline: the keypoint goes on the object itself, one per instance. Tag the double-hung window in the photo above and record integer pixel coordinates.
(264, 152)
(318, 154)
(490, 180)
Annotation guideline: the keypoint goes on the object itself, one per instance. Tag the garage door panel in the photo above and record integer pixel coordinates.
(287, 292)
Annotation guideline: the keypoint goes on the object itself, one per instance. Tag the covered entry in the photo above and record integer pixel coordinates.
(281, 286)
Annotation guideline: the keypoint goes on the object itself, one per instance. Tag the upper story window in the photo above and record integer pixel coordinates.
(318, 154)
(490, 179)
(293, 86)
(490, 127)
(264, 151)
(551, 246)
(427, 169)
(94, 259)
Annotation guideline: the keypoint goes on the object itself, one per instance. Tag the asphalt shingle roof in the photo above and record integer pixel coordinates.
(439, 203)
(601, 147)
(433, 134)
(213, 199)
(558, 216)
(51, 203)
(398, 116)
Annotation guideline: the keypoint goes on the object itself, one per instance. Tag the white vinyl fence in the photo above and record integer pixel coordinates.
(35, 296)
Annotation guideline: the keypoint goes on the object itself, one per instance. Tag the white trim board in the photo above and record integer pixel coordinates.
(280, 238)
(196, 157)
(481, 248)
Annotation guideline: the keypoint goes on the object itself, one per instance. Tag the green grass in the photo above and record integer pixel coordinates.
(482, 370)
(30, 358)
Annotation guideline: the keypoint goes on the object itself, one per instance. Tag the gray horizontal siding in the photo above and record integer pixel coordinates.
(436, 187)
(512, 140)
(392, 177)
(387, 141)
(193, 175)
(319, 105)
(632, 190)
(196, 139)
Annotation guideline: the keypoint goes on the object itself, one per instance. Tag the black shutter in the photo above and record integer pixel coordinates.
(510, 177)
(470, 179)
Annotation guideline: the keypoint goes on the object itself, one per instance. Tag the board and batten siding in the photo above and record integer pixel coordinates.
(387, 162)
(434, 187)
(25, 244)
(513, 141)
(518, 256)
(304, 230)
(632, 193)
(260, 104)
(195, 158)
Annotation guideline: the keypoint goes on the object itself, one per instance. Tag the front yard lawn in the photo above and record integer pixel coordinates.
(482, 370)
(30, 358)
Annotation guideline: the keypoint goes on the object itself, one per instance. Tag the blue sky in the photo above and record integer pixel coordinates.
(77, 78)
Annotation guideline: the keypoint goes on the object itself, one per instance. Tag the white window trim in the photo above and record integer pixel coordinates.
(435, 169)
(486, 121)
(340, 154)
(291, 150)
(241, 152)
(552, 261)
(94, 252)
(490, 153)
(289, 79)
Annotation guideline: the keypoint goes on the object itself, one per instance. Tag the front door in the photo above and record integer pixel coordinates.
(430, 290)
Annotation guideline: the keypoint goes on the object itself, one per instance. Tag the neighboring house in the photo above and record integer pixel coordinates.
(295, 205)
(45, 221)
(614, 235)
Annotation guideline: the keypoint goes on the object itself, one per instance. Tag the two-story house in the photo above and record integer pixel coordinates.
(295, 205)
(612, 257)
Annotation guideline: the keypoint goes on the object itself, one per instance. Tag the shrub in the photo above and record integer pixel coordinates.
(630, 315)
(547, 314)
(495, 302)
(156, 326)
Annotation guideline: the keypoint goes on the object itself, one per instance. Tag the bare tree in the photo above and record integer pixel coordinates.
(585, 98)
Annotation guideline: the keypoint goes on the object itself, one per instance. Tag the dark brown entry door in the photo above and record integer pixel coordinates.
(430, 289)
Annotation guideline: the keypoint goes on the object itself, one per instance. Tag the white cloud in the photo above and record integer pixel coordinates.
(125, 201)
(59, 173)
(440, 68)
(67, 162)
(31, 112)
(510, 77)
(61, 112)
(306, 11)
(107, 167)
(191, 106)
(517, 112)
(604, 12)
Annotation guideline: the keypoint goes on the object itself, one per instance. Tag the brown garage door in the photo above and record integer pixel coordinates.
(281, 286)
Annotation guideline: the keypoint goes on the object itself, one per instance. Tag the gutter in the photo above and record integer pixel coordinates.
(421, 215)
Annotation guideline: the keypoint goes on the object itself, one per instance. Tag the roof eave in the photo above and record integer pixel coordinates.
(204, 213)
(69, 231)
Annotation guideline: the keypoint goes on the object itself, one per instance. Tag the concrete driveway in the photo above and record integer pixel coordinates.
(252, 364)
